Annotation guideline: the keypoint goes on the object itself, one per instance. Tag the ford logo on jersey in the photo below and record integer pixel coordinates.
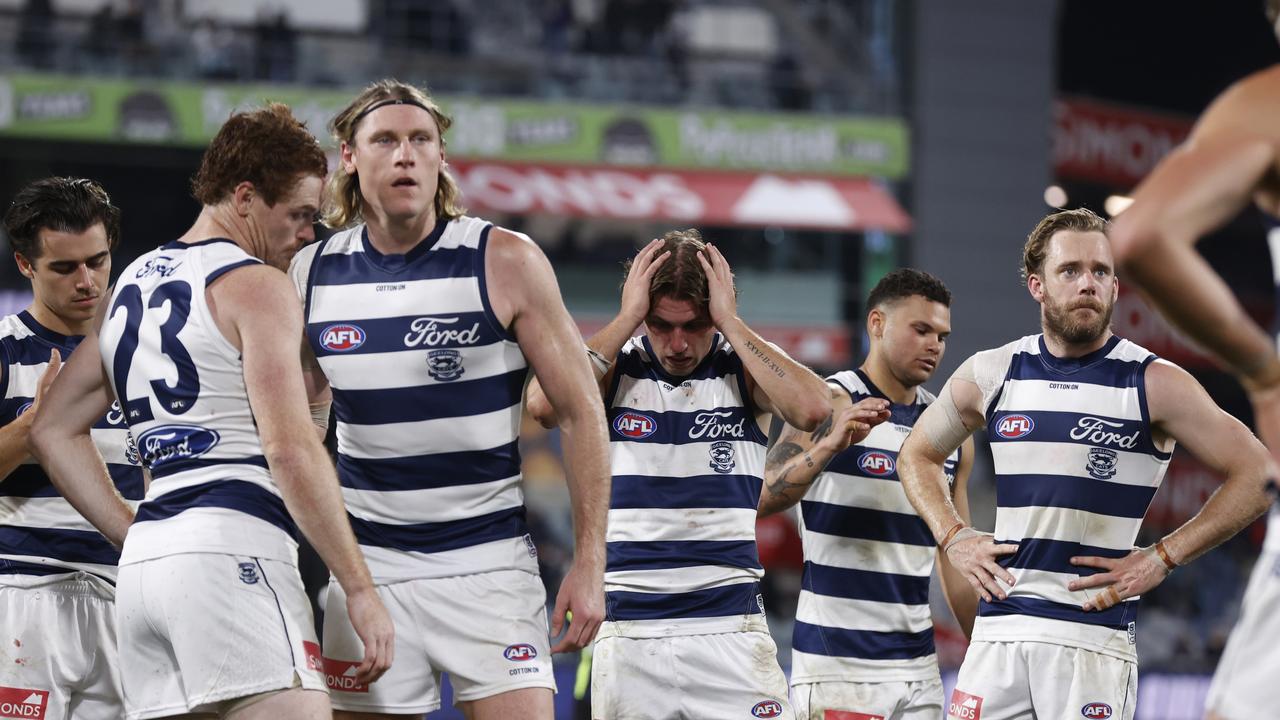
(1095, 711)
(634, 425)
(767, 709)
(175, 443)
(876, 463)
(1012, 427)
(341, 338)
(520, 652)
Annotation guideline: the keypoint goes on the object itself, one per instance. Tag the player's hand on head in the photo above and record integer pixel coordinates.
(723, 303)
(581, 599)
(635, 290)
(1122, 578)
(373, 624)
(852, 424)
(975, 555)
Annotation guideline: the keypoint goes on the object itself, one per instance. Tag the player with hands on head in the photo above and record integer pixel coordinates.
(685, 403)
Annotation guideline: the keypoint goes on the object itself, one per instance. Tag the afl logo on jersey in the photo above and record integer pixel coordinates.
(1096, 710)
(25, 407)
(876, 463)
(1012, 427)
(175, 443)
(341, 338)
(634, 425)
(520, 652)
(767, 709)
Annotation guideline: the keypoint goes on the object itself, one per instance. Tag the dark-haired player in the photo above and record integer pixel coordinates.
(863, 639)
(57, 573)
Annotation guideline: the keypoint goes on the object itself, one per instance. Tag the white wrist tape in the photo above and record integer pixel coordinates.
(320, 414)
(598, 363)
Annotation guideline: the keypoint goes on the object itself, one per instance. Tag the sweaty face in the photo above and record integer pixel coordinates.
(69, 277)
(680, 334)
(1077, 286)
(290, 223)
(913, 337)
(396, 157)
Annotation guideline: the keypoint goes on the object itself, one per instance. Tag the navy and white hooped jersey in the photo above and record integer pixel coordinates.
(688, 466)
(863, 613)
(1076, 468)
(181, 385)
(40, 533)
(427, 391)
(1272, 542)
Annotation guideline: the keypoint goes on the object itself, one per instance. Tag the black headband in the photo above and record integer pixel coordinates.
(384, 103)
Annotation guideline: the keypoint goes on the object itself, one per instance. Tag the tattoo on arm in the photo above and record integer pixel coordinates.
(764, 358)
(779, 457)
(781, 453)
(822, 430)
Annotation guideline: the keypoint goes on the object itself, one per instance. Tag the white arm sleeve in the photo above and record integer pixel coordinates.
(944, 427)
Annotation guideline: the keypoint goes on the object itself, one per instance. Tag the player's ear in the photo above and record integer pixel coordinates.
(347, 157)
(1035, 286)
(24, 265)
(242, 197)
(875, 323)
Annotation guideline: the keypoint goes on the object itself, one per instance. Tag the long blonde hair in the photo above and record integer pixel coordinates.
(343, 201)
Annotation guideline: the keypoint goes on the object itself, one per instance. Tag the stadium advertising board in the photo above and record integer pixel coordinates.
(97, 110)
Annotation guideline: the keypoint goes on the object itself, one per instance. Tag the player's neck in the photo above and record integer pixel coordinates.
(52, 321)
(1060, 348)
(217, 221)
(878, 370)
(397, 236)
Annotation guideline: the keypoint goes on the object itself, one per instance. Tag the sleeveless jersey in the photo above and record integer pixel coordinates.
(863, 613)
(1272, 542)
(427, 391)
(1076, 469)
(688, 466)
(181, 385)
(40, 533)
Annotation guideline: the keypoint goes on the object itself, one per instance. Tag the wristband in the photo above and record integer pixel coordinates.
(950, 534)
(1164, 556)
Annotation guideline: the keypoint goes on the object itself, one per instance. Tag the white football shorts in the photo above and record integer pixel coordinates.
(58, 656)
(1029, 680)
(199, 629)
(901, 700)
(716, 675)
(487, 630)
(1242, 685)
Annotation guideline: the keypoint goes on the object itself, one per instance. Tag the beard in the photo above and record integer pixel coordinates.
(1058, 320)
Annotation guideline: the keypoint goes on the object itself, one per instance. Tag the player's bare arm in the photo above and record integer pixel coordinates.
(15, 436)
(319, 394)
(60, 439)
(1182, 411)
(607, 342)
(960, 596)
(526, 299)
(778, 384)
(298, 461)
(797, 457)
(1230, 159)
(943, 427)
